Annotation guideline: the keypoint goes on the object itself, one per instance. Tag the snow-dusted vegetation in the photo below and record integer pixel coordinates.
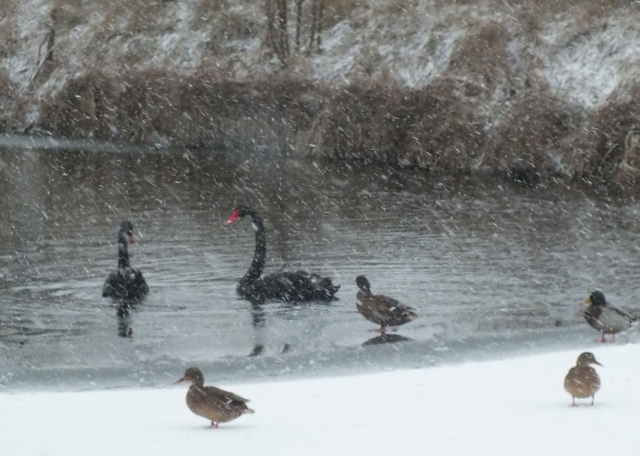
(520, 88)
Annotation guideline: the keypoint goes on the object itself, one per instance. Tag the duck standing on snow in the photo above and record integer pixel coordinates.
(210, 402)
(604, 317)
(126, 284)
(582, 380)
(379, 309)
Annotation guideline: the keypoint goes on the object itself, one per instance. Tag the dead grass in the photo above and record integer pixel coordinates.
(614, 153)
(431, 128)
(71, 13)
(482, 57)
(535, 140)
(338, 10)
(9, 35)
(194, 111)
(8, 93)
(132, 17)
(439, 128)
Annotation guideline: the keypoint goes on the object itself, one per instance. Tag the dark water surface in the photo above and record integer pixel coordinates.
(492, 270)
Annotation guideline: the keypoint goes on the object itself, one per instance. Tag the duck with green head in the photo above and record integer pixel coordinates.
(604, 317)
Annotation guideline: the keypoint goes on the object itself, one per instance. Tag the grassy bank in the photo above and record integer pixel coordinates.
(511, 89)
(443, 127)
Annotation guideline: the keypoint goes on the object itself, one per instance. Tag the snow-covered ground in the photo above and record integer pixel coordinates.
(507, 407)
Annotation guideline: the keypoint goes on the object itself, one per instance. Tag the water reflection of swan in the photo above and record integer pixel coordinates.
(258, 321)
(123, 316)
(386, 339)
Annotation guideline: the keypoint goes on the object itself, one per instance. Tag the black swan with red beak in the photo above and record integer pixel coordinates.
(125, 284)
(288, 286)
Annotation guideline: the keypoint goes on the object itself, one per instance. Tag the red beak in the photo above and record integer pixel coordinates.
(183, 379)
(131, 239)
(234, 217)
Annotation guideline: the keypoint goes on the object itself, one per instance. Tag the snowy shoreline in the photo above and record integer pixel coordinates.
(506, 407)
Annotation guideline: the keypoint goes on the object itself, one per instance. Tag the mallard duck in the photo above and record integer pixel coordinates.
(604, 317)
(583, 381)
(379, 309)
(210, 402)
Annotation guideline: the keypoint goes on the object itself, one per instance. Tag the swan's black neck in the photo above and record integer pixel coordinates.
(123, 252)
(260, 255)
(366, 291)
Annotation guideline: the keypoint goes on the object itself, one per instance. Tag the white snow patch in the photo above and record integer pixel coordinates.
(508, 407)
(588, 66)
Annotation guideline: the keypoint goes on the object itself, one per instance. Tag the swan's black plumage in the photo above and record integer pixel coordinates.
(125, 284)
(283, 285)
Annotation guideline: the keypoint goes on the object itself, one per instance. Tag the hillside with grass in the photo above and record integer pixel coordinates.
(517, 88)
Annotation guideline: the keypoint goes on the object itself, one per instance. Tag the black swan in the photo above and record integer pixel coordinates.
(289, 286)
(380, 309)
(125, 284)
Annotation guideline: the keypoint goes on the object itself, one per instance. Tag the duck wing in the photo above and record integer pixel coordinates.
(383, 309)
(224, 396)
(398, 312)
(622, 313)
(610, 320)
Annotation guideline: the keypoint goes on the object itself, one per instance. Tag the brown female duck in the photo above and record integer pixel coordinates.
(379, 309)
(210, 402)
(582, 380)
(604, 317)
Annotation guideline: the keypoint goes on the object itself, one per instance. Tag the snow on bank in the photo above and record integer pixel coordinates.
(581, 55)
(515, 406)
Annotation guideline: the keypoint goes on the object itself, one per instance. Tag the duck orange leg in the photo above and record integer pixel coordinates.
(613, 337)
(214, 424)
(602, 339)
(383, 328)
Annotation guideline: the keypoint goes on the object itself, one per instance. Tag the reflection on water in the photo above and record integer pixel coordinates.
(123, 316)
(385, 339)
(485, 266)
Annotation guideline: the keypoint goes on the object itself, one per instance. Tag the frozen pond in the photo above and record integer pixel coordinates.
(491, 270)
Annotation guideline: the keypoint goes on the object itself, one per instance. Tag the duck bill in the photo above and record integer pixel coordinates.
(183, 379)
(234, 217)
(587, 301)
(596, 362)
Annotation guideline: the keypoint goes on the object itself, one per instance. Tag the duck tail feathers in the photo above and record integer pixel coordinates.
(248, 411)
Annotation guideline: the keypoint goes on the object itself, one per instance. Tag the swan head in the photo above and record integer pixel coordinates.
(240, 212)
(597, 299)
(363, 284)
(126, 228)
